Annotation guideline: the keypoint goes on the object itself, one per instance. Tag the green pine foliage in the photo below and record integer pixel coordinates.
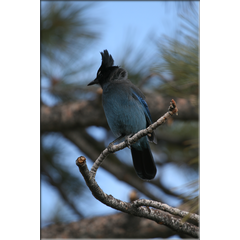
(178, 74)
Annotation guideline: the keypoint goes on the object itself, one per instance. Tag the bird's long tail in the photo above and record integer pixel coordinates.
(143, 162)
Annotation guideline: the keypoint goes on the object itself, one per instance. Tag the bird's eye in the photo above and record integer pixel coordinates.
(99, 73)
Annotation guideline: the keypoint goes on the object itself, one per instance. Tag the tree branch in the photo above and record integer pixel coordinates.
(112, 164)
(89, 146)
(156, 215)
(87, 113)
(166, 208)
(159, 216)
(118, 225)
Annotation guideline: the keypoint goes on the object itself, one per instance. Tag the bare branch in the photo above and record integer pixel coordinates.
(165, 207)
(159, 216)
(90, 146)
(156, 215)
(112, 164)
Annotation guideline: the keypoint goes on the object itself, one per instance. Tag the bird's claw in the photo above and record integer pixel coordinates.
(110, 147)
(127, 142)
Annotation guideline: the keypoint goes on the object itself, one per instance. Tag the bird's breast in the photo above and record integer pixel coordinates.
(124, 114)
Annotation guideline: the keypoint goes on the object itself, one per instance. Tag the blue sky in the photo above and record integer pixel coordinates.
(133, 21)
(121, 21)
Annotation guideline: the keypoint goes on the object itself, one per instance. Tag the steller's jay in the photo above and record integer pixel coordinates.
(126, 112)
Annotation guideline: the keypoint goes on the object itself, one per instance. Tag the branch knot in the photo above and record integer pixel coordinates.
(80, 161)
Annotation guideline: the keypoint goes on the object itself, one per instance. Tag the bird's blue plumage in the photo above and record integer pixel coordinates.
(145, 106)
(120, 108)
(126, 112)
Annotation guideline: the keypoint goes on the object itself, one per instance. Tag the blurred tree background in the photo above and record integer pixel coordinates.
(72, 119)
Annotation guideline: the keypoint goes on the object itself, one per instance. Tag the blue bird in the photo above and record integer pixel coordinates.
(127, 113)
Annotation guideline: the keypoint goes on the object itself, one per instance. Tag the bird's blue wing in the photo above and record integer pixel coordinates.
(145, 106)
(151, 136)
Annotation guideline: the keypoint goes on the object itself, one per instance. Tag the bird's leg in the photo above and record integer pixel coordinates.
(118, 139)
(112, 143)
(127, 140)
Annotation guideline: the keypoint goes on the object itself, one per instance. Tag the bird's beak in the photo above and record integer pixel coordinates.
(95, 81)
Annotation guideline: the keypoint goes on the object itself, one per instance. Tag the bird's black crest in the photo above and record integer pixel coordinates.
(107, 60)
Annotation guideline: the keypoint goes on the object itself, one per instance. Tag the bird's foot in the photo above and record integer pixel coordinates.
(127, 141)
(110, 147)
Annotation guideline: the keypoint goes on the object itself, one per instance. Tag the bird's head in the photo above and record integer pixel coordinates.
(107, 72)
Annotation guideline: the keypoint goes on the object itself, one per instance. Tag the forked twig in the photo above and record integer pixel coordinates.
(160, 213)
